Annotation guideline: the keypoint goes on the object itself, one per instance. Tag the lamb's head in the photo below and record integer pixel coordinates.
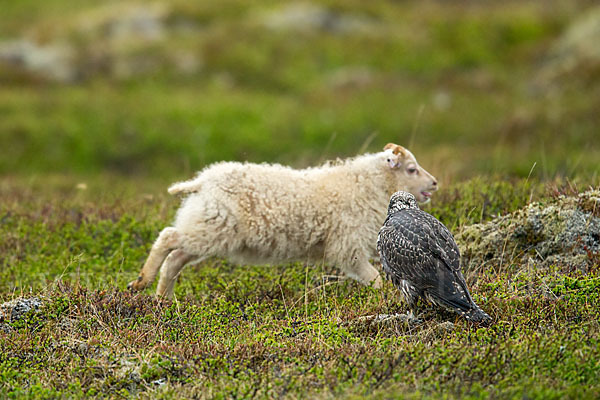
(408, 175)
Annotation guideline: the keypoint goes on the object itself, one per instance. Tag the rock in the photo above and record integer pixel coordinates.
(386, 319)
(444, 327)
(565, 232)
(307, 17)
(125, 22)
(121, 40)
(14, 310)
(442, 100)
(576, 51)
(51, 61)
(350, 78)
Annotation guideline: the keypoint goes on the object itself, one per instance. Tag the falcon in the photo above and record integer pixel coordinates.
(419, 255)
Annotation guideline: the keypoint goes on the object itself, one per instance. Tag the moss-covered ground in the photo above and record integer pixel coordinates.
(269, 331)
(84, 166)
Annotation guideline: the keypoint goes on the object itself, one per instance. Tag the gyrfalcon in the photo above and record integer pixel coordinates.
(419, 254)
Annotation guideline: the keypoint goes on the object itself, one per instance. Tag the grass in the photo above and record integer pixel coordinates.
(85, 165)
(270, 331)
(264, 95)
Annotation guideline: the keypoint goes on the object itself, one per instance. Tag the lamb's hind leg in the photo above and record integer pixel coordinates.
(170, 271)
(167, 241)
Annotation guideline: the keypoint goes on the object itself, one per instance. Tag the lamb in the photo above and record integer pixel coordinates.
(265, 213)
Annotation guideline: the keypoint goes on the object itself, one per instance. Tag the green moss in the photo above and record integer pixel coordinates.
(82, 197)
(268, 331)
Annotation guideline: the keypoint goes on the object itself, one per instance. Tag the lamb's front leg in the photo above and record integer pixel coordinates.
(364, 272)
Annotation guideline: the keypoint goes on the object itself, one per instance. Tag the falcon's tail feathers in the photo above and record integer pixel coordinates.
(464, 307)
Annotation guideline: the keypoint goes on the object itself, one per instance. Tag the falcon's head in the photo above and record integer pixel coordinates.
(402, 200)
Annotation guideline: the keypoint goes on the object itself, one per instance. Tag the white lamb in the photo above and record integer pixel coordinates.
(263, 213)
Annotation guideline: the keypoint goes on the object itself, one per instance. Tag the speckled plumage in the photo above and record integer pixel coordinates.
(419, 254)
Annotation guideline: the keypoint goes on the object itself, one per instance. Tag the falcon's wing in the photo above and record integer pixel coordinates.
(399, 254)
(441, 242)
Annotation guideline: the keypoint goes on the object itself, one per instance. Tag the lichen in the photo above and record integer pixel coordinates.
(564, 232)
(16, 309)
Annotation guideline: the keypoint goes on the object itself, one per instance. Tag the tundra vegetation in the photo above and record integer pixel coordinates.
(105, 104)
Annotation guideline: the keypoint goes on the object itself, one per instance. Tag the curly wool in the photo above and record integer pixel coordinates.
(269, 213)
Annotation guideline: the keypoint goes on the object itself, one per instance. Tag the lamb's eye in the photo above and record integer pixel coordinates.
(411, 170)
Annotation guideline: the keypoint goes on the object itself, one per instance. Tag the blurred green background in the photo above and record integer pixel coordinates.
(157, 90)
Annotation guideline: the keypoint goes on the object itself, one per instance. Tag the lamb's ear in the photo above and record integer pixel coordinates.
(389, 146)
(396, 155)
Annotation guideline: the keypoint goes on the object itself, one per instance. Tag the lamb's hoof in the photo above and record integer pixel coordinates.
(135, 285)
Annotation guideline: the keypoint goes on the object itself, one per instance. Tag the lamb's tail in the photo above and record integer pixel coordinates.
(185, 187)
